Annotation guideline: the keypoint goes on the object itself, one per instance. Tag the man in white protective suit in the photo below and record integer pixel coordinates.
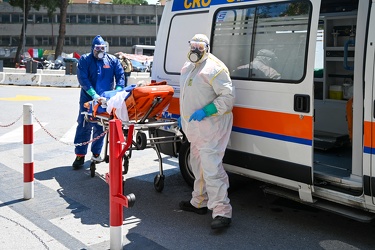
(206, 102)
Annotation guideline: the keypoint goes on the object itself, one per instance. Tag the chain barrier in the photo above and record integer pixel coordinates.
(10, 124)
(55, 138)
(67, 143)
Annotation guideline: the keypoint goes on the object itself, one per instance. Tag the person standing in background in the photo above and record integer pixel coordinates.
(97, 72)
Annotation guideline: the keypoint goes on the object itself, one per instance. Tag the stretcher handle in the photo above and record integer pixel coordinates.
(129, 140)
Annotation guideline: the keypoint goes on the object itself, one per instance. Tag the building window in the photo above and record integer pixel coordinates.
(70, 19)
(42, 19)
(17, 18)
(127, 20)
(29, 41)
(14, 40)
(87, 19)
(145, 41)
(88, 40)
(127, 41)
(67, 41)
(46, 41)
(113, 41)
(5, 18)
(145, 19)
(107, 19)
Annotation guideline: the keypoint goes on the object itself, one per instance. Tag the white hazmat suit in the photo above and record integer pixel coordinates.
(203, 83)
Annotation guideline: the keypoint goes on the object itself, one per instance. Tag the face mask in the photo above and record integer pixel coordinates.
(99, 51)
(100, 55)
(197, 50)
(195, 55)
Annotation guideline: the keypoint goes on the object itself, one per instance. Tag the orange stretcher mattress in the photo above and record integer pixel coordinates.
(153, 98)
(142, 98)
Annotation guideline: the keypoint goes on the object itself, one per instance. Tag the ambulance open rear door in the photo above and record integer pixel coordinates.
(272, 136)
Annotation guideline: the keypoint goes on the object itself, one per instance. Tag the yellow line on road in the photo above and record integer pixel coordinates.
(26, 98)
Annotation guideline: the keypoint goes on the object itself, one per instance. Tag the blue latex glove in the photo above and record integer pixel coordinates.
(179, 122)
(95, 97)
(198, 115)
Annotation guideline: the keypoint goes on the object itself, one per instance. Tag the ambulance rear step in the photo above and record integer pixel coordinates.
(346, 211)
(327, 140)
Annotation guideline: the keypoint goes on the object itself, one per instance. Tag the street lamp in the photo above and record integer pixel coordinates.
(156, 19)
(24, 29)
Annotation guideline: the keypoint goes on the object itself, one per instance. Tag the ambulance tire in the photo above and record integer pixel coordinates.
(184, 162)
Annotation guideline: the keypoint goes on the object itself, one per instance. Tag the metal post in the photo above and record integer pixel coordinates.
(117, 200)
(24, 28)
(156, 20)
(28, 159)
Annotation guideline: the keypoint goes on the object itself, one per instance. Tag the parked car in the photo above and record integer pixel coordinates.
(138, 66)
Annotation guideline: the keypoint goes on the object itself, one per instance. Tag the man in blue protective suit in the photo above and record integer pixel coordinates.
(96, 73)
(206, 103)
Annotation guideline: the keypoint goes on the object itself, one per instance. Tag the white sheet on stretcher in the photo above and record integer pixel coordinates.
(117, 102)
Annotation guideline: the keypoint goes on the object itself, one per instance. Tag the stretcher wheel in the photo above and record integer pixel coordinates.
(159, 182)
(92, 169)
(141, 140)
(126, 164)
(131, 199)
(106, 158)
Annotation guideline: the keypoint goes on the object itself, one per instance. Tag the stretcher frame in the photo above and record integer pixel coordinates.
(152, 125)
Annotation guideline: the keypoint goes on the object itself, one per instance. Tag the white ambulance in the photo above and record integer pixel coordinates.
(308, 132)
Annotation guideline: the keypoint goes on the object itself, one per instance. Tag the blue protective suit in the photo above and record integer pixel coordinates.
(95, 76)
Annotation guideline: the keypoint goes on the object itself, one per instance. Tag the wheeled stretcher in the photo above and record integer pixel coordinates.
(145, 106)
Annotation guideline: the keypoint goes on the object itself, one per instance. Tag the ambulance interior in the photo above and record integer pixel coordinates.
(336, 165)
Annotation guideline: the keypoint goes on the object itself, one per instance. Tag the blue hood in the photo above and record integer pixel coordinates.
(98, 40)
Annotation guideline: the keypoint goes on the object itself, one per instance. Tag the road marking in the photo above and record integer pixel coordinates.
(69, 136)
(26, 98)
(16, 135)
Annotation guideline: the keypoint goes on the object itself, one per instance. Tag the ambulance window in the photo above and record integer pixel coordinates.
(263, 42)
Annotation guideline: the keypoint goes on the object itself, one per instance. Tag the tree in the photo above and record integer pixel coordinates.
(25, 6)
(62, 29)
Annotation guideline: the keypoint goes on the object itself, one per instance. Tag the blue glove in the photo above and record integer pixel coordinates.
(179, 122)
(95, 97)
(198, 115)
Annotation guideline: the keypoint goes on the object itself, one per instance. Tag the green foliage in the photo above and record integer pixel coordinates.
(125, 2)
(36, 4)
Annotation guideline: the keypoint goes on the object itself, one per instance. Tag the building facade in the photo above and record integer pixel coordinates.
(122, 26)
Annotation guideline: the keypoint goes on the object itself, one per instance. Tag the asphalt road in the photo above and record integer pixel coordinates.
(71, 209)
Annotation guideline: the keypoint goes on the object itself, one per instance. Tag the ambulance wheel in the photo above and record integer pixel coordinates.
(141, 140)
(184, 162)
(92, 169)
(159, 182)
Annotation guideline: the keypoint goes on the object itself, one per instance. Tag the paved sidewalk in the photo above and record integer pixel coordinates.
(26, 223)
(53, 220)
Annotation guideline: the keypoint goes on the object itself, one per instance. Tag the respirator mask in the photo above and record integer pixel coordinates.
(99, 51)
(197, 51)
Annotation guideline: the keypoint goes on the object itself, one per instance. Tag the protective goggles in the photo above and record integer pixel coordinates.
(99, 48)
(201, 46)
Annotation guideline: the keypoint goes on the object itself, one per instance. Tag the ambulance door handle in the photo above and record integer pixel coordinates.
(302, 103)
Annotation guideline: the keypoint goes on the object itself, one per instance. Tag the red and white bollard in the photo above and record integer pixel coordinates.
(28, 158)
(117, 200)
